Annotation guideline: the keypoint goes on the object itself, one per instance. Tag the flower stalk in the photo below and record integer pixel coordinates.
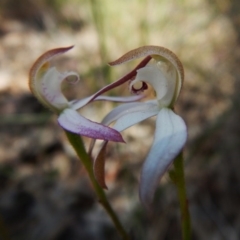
(179, 180)
(77, 143)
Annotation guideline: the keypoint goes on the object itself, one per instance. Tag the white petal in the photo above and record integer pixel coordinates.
(77, 104)
(50, 86)
(72, 121)
(170, 137)
(170, 74)
(120, 99)
(129, 114)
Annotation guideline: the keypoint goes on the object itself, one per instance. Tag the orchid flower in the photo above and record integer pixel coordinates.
(165, 75)
(45, 83)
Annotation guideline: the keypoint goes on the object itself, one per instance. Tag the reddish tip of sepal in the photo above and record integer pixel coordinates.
(43, 59)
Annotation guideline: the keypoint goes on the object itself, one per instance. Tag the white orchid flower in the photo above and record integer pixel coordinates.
(45, 83)
(165, 75)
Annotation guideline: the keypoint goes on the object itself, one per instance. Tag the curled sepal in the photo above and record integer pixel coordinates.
(160, 54)
(72, 121)
(169, 139)
(99, 165)
(50, 87)
(45, 82)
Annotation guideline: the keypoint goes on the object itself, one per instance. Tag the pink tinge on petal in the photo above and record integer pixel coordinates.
(170, 137)
(72, 121)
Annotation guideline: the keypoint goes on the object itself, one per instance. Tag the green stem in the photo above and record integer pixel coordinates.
(78, 145)
(182, 195)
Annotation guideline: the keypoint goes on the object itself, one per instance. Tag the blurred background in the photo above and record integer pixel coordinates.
(44, 191)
